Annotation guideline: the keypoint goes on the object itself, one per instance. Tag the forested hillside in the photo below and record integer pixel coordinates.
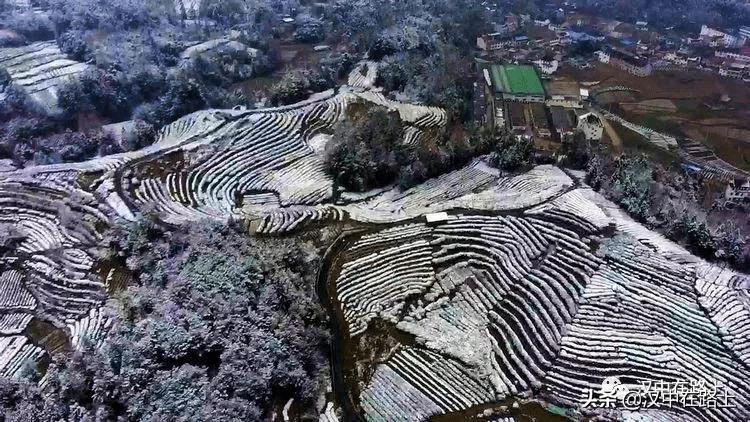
(152, 62)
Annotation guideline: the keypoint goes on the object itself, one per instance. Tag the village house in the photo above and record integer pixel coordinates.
(675, 59)
(635, 65)
(491, 42)
(540, 120)
(733, 70)
(742, 55)
(738, 189)
(591, 126)
(714, 38)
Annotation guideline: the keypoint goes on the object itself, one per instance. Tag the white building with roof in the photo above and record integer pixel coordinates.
(738, 190)
(591, 125)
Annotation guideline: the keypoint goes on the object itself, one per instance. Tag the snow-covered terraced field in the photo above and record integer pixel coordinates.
(222, 159)
(49, 270)
(261, 165)
(542, 305)
(474, 187)
(535, 286)
(363, 75)
(40, 68)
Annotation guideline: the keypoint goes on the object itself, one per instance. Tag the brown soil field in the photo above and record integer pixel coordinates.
(650, 106)
(681, 104)
(671, 85)
(618, 97)
(633, 143)
(735, 152)
(611, 138)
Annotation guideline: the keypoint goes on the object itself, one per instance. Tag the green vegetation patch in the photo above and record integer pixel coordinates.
(516, 79)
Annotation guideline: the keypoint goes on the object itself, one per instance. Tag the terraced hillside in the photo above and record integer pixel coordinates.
(245, 165)
(535, 289)
(534, 305)
(215, 164)
(40, 68)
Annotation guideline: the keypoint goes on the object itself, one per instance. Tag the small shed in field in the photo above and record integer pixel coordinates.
(436, 217)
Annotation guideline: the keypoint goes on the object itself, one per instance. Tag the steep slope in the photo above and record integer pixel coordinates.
(212, 164)
(40, 68)
(541, 306)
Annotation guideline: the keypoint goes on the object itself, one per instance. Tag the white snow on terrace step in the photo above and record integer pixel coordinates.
(40, 68)
(626, 224)
(329, 415)
(574, 204)
(90, 329)
(526, 302)
(266, 165)
(498, 304)
(475, 186)
(318, 142)
(363, 75)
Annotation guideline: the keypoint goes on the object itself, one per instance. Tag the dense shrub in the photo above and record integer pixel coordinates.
(367, 152)
(512, 153)
(310, 31)
(441, 79)
(5, 79)
(697, 235)
(96, 91)
(11, 39)
(264, 63)
(290, 89)
(731, 245)
(224, 12)
(145, 83)
(392, 76)
(575, 151)
(183, 96)
(69, 146)
(384, 45)
(29, 25)
(321, 80)
(675, 203)
(41, 141)
(222, 326)
(108, 15)
(338, 64)
(21, 400)
(222, 66)
(74, 45)
(27, 128)
(142, 135)
(632, 182)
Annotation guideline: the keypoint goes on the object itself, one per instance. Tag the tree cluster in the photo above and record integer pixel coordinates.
(297, 84)
(686, 16)
(512, 153)
(136, 47)
(220, 327)
(310, 31)
(369, 151)
(674, 203)
(575, 151)
(440, 78)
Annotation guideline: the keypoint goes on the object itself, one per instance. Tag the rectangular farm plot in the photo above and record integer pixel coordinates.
(515, 79)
